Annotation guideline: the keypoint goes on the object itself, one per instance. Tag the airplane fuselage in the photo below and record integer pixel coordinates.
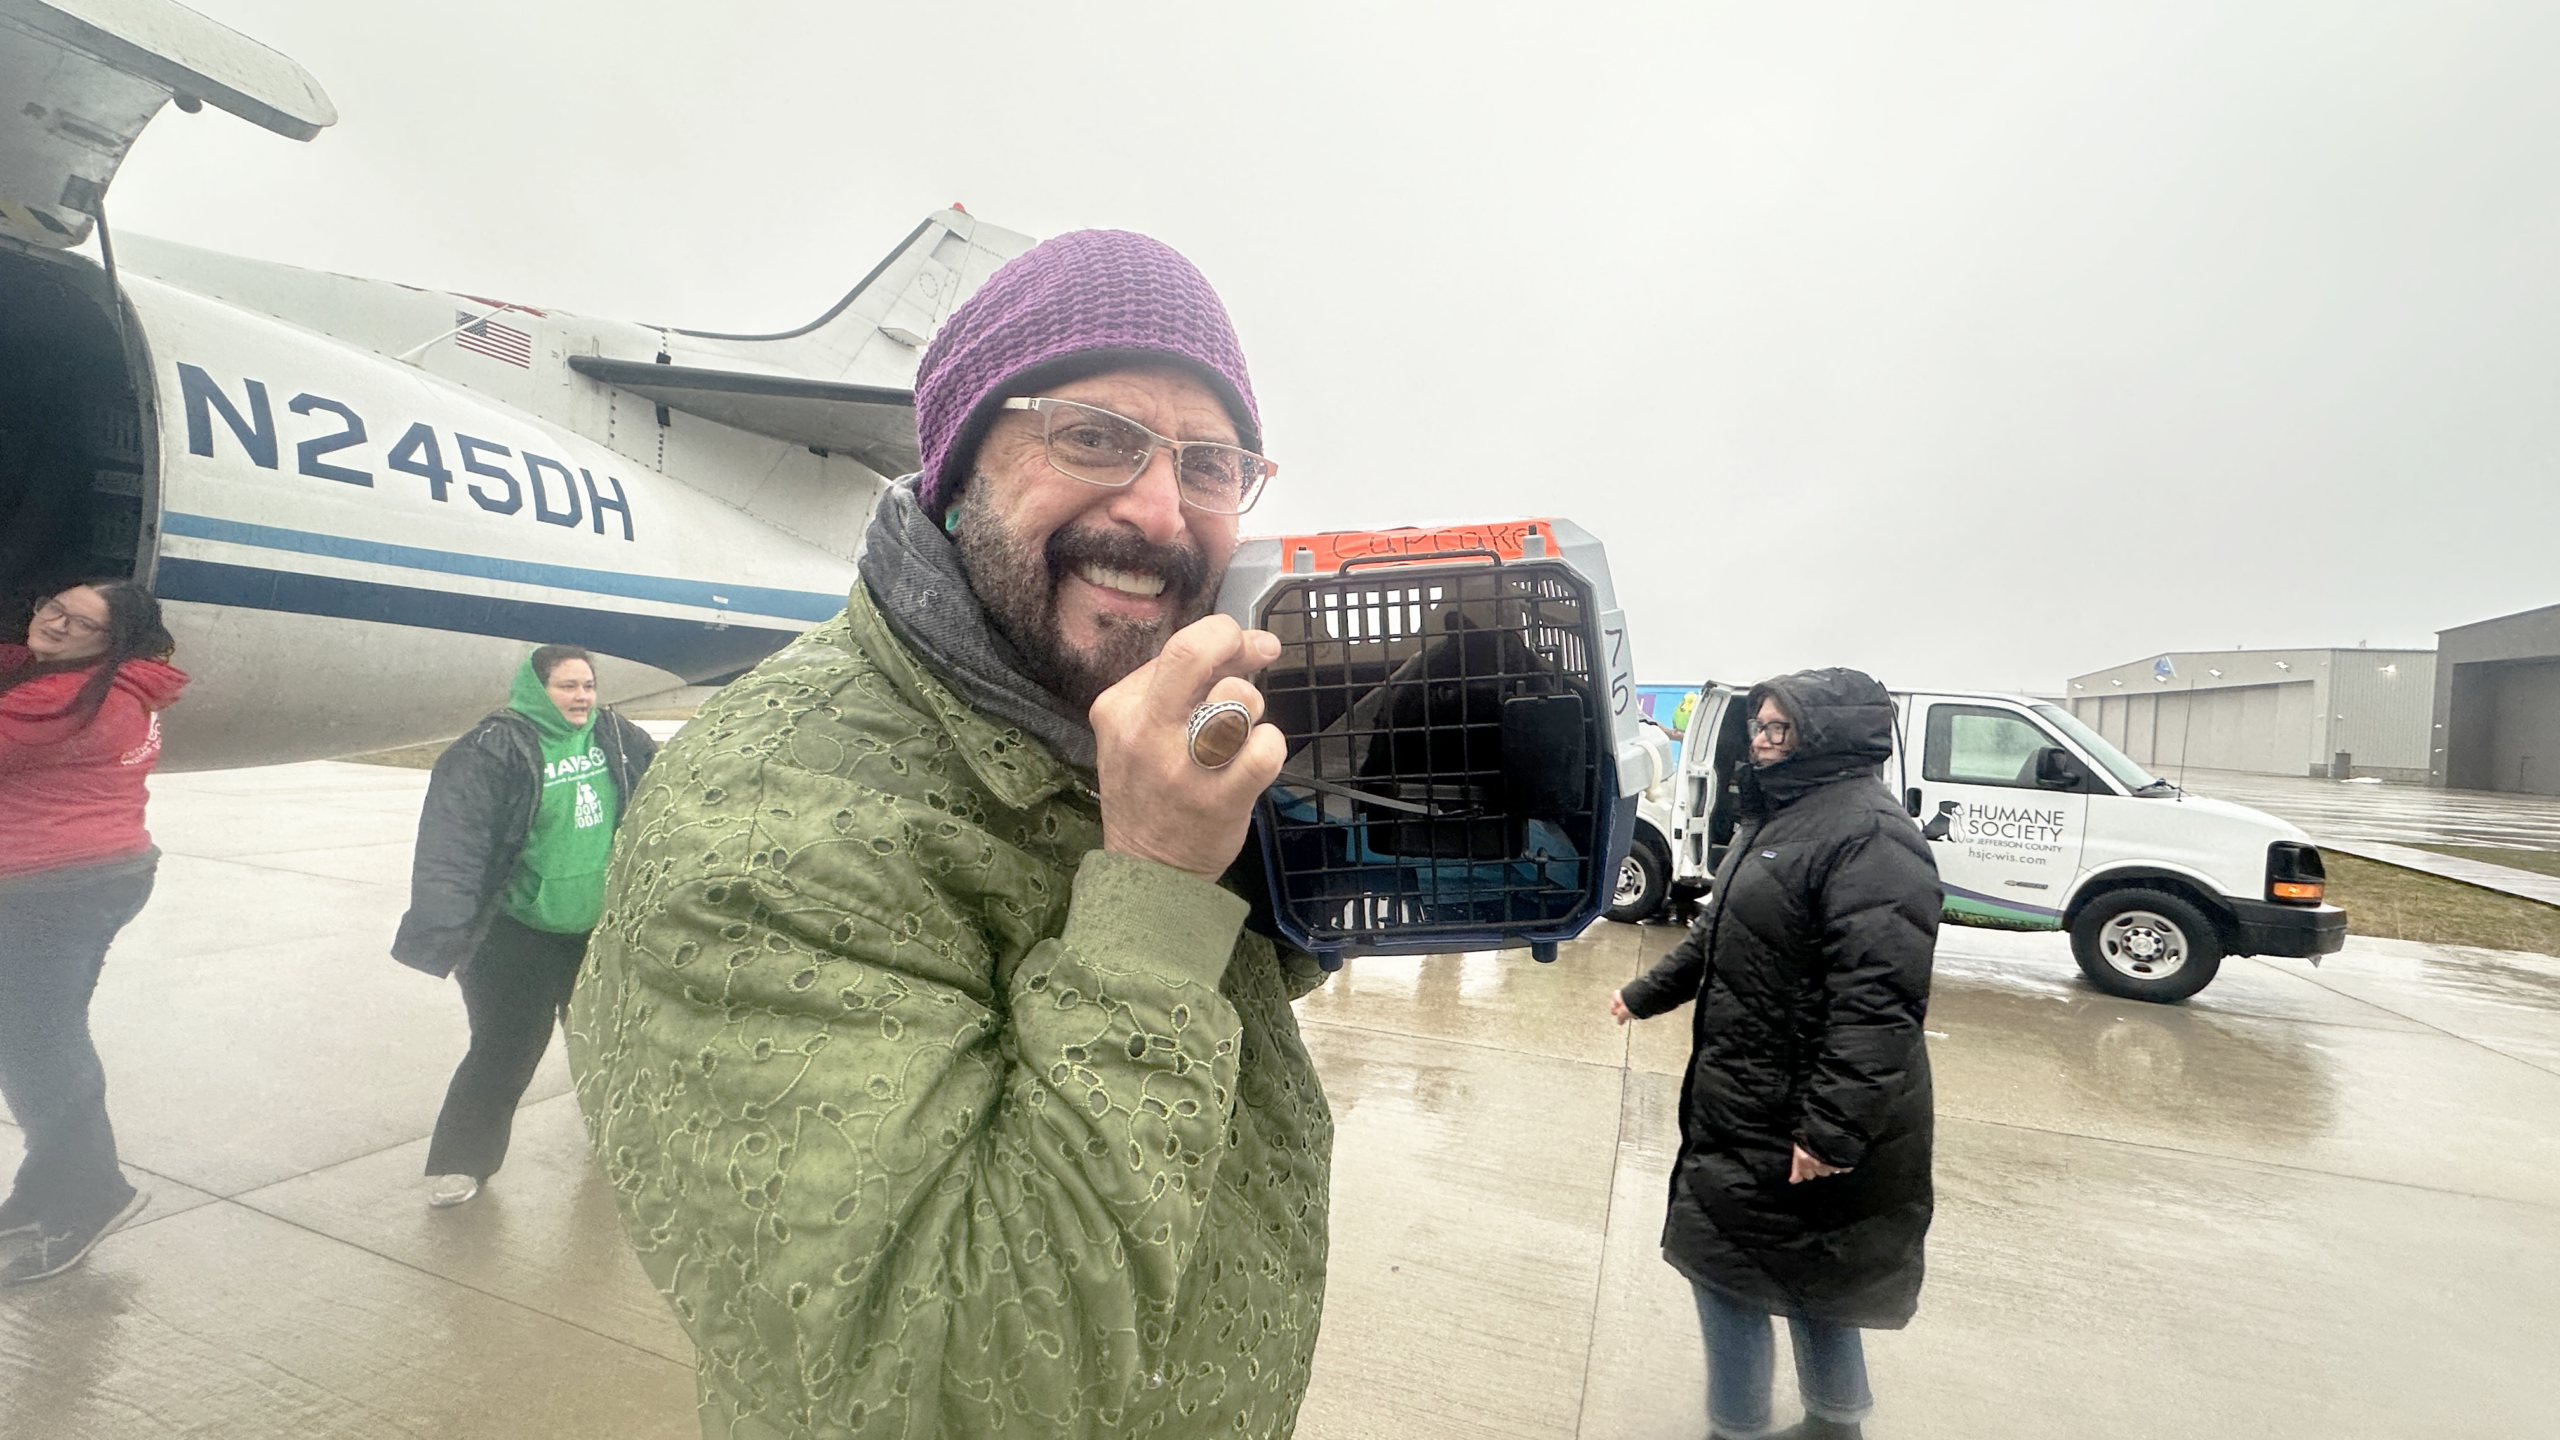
(362, 516)
(313, 493)
(362, 502)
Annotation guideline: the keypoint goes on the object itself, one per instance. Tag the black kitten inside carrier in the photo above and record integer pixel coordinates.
(1453, 780)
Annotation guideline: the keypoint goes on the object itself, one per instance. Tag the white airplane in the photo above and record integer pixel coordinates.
(361, 501)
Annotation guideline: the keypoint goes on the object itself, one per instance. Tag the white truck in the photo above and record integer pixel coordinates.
(2037, 823)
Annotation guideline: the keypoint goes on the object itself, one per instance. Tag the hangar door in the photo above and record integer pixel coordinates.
(2523, 708)
(2262, 728)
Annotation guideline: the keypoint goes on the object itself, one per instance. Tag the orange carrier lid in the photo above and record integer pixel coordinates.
(1506, 538)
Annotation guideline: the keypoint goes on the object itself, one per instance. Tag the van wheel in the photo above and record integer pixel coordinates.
(2146, 945)
(1642, 878)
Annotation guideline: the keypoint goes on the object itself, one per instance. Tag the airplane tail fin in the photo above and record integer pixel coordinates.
(876, 334)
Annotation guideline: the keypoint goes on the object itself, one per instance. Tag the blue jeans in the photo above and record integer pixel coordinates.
(53, 942)
(1831, 1367)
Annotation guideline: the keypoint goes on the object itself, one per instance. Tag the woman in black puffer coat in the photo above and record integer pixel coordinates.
(1802, 1186)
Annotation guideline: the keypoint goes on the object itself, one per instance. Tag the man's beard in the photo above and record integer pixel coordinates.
(1018, 586)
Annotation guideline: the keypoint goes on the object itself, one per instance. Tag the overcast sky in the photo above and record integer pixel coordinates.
(1970, 343)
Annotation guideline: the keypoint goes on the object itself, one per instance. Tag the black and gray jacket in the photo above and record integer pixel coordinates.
(480, 803)
(1810, 965)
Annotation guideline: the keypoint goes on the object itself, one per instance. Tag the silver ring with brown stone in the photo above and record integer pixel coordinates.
(1217, 733)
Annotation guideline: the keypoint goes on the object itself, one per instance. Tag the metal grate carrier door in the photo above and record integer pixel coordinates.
(1445, 781)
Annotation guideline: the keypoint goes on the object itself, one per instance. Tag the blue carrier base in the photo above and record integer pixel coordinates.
(1593, 882)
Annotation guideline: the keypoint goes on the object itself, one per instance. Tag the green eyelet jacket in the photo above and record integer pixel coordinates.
(928, 1116)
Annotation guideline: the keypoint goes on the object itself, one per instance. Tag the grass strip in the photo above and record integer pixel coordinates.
(2540, 862)
(423, 757)
(407, 757)
(2391, 903)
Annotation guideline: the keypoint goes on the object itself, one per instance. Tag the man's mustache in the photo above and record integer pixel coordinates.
(1185, 571)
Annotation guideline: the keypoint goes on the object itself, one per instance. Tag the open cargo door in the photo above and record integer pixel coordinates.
(80, 78)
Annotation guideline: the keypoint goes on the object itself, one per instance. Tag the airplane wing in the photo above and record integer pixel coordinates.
(80, 78)
(874, 424)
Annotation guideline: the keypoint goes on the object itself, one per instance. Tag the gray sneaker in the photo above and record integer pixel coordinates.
(55, 1251)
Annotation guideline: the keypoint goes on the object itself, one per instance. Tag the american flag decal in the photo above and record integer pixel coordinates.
(496, 340)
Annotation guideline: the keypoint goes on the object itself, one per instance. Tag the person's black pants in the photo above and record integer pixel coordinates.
(514, 989)
(53, 942)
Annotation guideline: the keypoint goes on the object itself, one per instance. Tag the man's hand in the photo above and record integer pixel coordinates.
(1156, 804)
(1618, 1010)
(1808, 1168)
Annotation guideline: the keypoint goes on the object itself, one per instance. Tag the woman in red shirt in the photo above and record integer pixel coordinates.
(80, 707)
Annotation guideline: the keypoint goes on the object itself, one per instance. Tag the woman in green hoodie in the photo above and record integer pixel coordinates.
(507, 880)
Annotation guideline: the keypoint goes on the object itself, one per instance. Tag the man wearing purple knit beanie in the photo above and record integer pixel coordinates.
(945, 1082)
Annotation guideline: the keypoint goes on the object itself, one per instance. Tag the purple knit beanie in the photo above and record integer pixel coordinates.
(1073, 305)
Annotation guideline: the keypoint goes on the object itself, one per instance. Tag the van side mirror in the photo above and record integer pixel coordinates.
(2056, 770)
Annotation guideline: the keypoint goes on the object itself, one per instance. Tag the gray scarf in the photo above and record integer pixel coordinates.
(914, 574)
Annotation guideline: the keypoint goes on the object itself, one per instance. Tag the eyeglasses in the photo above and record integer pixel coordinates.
(1091, 444)
(52, 610)
(1774, 731)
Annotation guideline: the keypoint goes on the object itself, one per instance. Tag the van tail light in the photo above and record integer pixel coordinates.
(2295, 875)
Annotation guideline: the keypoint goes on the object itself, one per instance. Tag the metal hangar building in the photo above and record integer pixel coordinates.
(2334, 713)
(2497, 704)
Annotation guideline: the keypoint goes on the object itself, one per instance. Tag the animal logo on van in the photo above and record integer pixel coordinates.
(2017, 833)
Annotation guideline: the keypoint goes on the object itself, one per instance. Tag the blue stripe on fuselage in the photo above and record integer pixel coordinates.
(691, 649)
(749, 599)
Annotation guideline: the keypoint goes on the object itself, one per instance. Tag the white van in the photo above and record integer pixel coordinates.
(2038, 823)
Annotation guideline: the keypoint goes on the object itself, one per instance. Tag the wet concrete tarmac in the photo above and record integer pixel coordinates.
(2394, 814)
(2308, 1203)
(2392, 823)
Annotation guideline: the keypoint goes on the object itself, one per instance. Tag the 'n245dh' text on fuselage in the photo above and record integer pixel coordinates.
(546, 490)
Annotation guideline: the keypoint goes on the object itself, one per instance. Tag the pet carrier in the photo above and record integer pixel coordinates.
(1463, 752)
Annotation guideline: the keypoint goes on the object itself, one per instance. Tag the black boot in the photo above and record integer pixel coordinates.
(1817, 1428)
